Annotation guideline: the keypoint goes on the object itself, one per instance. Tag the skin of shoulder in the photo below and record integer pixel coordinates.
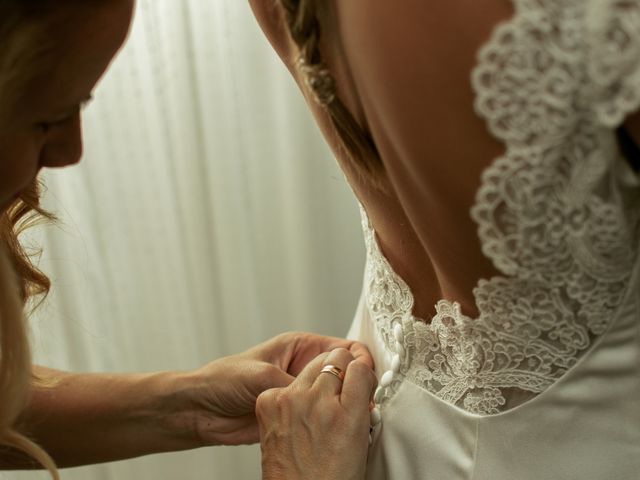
(270, 17)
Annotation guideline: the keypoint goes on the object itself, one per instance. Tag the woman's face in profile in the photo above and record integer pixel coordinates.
(41, 125)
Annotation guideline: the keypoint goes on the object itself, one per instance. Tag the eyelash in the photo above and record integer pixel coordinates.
(46, 126)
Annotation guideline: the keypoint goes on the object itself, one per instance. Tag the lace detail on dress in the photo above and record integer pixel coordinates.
(613, 51)
(390, 302)
(552, 214)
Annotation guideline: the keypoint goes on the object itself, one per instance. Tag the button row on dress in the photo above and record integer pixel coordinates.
(388, 376)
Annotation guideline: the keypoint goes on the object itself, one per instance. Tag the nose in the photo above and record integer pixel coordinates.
(58, 157)
(64, 147)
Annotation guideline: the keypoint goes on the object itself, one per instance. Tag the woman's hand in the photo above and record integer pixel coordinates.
(318, 427)
(83, 418)
(222, 395)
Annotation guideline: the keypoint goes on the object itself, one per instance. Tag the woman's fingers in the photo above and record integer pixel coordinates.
(332, 382)
(361, 353)
(308, 376)
(359, 383)
(304, 347)
(356, 385)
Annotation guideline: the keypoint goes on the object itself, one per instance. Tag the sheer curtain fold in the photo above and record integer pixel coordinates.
(207, 216)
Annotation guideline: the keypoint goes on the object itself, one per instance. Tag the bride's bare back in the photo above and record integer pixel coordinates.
(404, 71)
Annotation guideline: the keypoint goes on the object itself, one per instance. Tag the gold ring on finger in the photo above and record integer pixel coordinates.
(333, 370)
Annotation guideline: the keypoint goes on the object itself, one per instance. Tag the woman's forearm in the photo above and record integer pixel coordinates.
(81, 419)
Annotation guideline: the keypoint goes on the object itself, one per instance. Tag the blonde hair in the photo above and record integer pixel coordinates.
(20, 280)
(15, 367)
(303, 21)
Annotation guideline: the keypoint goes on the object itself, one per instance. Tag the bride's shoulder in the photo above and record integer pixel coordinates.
(271, 18)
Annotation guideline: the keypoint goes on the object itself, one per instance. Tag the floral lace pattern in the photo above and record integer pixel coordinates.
(552, 213)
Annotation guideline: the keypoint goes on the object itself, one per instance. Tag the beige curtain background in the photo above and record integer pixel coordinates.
(207, 216)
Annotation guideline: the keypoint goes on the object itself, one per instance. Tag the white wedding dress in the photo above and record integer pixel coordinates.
(545, 383)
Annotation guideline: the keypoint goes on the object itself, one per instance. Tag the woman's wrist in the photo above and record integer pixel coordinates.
(174, 410)
(191, 411)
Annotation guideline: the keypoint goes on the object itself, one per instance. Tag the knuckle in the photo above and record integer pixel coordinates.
(323, 356)
(285, 337)
(285, 399)
(342, 354)
(341, 351)
(293, 338)
(267, 376)
(263, 372)
(266, 401)
(360, 370)
(359, 345)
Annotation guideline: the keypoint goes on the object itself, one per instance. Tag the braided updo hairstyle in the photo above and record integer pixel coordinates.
(302, 17)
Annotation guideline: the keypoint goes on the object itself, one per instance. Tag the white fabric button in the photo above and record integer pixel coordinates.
(398, 333)
(377, 397)
(400, 349)
(395, 363)
(376, 416)
(386, 379)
